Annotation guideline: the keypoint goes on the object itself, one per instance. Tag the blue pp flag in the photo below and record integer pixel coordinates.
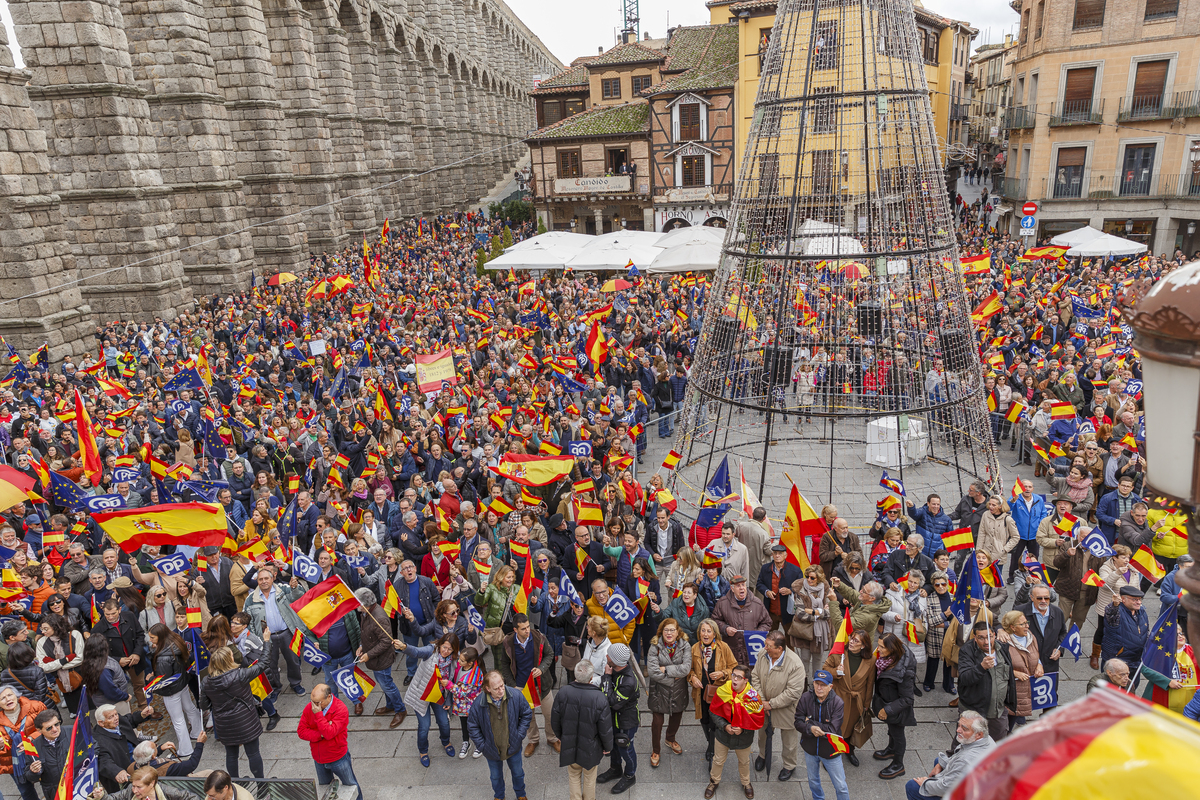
(313, 654)
(125, 475)
(358, 561)
(620, 609)
(579, 449)
(568, 590)
(1072, 643)
(184, 379)
(305, 568)
(474, 618)
(1097, 544)
(1044, 691)
(970, 587)
(344, 679)
(755, 642)
(1159, 654)
(172, 564)
(104, 502)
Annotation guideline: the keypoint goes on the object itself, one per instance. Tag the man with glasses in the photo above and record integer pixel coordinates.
(52, 749)
(971, 744)
(420, 597)
(272, 616)
(1047, 623)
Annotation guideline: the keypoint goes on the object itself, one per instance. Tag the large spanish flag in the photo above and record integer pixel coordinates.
(596, 346)
(88, 450)
(325, 604)
(434, 369)
(534, 470)
(800, 522)
(1105, 745)
(194, 524)
(989, 307)
(977, 265)
(958, 539)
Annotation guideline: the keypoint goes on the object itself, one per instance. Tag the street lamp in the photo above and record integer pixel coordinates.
(1166, 326)
(1128, 227)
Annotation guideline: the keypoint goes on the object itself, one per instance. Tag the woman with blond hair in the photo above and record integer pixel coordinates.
(597, 646)
(226, 692)
(667, 666)
(712, 664)
(810, 629)
(684, 570)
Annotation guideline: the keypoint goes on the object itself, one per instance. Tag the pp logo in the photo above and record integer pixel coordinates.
(109, 502)
(344, 678)
(1044, 691)
(755, 642)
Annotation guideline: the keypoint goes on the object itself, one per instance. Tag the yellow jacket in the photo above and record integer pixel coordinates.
(1171, 545)
(615, 634)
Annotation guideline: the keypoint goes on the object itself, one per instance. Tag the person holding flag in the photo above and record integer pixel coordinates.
(737, 712)
(527, 664)
(1115, 574)
(895, 681)
(985, 678)
(17, 732)
(819, 718)
(375, 652)
(428, 694)
(226, 693)
(169, 661)
(1126, 627)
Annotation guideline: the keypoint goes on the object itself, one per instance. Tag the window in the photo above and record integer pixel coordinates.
(824, 171)
(1138, 170)
(772, 115)
(692, 171)
(689, 122)
(641, 83)
(768, 175)
(572, 107)
(618, 159)
(551, 112)
(1077, 94)
(1041, 18)
(1148, 85)
(568, 164)
(929, 45)
(824, 112)
(764, 41)
(1089, 13)
(1161, 9)
(1025, 26)
(1068, 174)
(610, 88)
(825, 48)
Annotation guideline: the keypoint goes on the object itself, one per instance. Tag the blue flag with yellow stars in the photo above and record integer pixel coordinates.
(65, 492)
(1159, 653)
(970, 587)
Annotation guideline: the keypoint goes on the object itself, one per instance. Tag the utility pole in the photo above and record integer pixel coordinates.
(631, 32)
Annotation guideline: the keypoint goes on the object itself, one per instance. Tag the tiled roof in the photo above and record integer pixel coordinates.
(567, 79)
(599, 121)
(707, 56)
(752, 5)
(631, 53)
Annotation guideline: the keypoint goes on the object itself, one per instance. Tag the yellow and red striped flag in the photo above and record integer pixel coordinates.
(671, 460)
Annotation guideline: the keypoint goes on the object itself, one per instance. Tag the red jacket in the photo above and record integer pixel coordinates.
(325, 733)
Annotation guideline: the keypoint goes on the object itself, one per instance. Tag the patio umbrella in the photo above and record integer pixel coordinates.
(574, 241)
(1076, 237)
(1107, 245)
(616, 285)
(541, 252)
(854, 271)
(614, 251)
(687, 257)
(14, 487)
(696, 233)
(281, 278)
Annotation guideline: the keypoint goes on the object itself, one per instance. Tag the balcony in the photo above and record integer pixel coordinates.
(1019, 117)
(958, 111)
(1077, 112)
(1160, 106)
(1131, 184)
(1014, 188)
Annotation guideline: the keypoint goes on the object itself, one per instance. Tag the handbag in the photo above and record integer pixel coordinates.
(570, 657)
(492, 637)
(710, 691)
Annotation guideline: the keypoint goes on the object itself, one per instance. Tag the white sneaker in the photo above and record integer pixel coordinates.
(462, 751)
(476, 754)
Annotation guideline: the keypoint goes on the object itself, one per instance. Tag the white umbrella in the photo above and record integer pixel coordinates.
(835, 246)
(539, 254)
(1076, 237)
(615, 251)
(687, 257)
(812, 227)
(1107, 245)
(694, 233)
(575, 240)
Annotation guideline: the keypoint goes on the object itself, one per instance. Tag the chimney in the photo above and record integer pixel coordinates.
(600, 50)
(1008, 39)
(646, 36)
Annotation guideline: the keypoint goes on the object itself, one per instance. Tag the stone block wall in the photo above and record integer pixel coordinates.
(154, 151)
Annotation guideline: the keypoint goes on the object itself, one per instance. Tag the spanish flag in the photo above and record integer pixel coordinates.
(838, 743)
(325, 604)
(596, 346)
(992, 575)
(432, 692)
(843, 636)
(195, 619)
(532, 693)
(1062, 410)
(1015, 411)
(671, 460)
(499, 506)
(88, 450)
(194, 524)
(587, 513)
(1090, 578)
(450, 550)
(977, 265)
(799, 522)
(391, 600)
(583, 486)
(598, 315)
(743, 710)
(1050, 252)
(518, 550)
(910, 632)
(958, 539)
(1143, 561)
(989, 307)
(260, 687)
(521, 601)
(95, 611)
(534, 470)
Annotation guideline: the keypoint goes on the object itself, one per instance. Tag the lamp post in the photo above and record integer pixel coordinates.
(1166, 326)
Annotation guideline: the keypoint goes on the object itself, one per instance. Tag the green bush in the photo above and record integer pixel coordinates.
(516, 211)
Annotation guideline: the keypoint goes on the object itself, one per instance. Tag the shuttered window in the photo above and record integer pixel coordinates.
(568, 163)
(1072, 156)
(824, 175)
(692, 171)
(824, 112)
(1151, 78)
(551, 112)
(1089, 13)
(1080, 83)
(768, 175)
(1161, 9)
(689, 122)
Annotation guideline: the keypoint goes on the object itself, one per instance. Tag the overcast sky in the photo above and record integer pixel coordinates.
(571, 29)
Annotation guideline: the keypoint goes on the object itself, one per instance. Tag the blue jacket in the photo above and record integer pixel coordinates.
(479, 725)
(1108, 512)
(1168, 590)
(1028, 519)
(931, 527)
(1125, 635)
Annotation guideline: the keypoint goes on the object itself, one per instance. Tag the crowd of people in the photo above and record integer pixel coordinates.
(301, 408)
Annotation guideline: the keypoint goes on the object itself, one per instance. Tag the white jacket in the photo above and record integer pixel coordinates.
(598, 655)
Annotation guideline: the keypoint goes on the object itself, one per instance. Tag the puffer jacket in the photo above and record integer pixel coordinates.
(894, 692)
(234, 710)
(688, 625)
(931, 527)
(621, 688)
(668, 692)
(28, 681)
(494, 602)
(582, 721)
(168, 662)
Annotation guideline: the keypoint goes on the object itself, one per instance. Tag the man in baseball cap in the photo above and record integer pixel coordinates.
(818, 714)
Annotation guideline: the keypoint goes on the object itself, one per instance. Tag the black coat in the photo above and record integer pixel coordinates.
(894, 692)
(1056, 631)
(975, 682)
(114, 749)
(125, 641)
(621, 689)
(583, 722)
(673, 528)
(235, 714)
(53, 758)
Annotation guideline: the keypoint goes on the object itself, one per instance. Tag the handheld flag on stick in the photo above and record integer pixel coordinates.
(325, 604)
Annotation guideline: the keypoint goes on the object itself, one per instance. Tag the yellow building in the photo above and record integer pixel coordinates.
(945, 46)
(1105, 124)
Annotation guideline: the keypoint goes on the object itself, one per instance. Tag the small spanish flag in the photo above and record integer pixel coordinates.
(958, 539)
(1015, 411)
(910, 632)
(992, 575)
(532, 692)
(582, 486)
(260, 687)
(194, 618)
(391, 600)
(588, 513)
(902, 581)
(843, 636)
(671, 460)
(432, 692)
(500, 507)
(95, 612)
(1056, 450)
(293, 484)
(1090, 578)
(1061, 410)
(837, 743)
(530, 499)
(1144, 562)
(449, 549)
(518, 550)
(1066, 526)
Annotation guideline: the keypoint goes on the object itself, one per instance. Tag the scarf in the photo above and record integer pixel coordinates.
(816, 594)
(882, 663)
(1078, 490)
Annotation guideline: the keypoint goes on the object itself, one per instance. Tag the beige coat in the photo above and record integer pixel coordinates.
(1048, 540)
(758, 545)
(997, 535)
(781, 686)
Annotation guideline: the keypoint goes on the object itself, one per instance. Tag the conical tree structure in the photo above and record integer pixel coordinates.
(839, 340)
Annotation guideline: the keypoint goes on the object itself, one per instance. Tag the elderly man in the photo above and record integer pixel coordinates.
(867, 605)
(165, 761)
(375, 652)
(740, 611)
(420, 596)
(1047, 624)
(583, 722)
(497, 723)
(273, 619)
(1126, 627)
(115, 740)
(774, 583)
(1115, 672)
(907, 558)
(778, 677)
(984, 674)
(971, 744)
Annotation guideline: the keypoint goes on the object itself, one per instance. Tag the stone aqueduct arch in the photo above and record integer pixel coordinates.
(158, 150)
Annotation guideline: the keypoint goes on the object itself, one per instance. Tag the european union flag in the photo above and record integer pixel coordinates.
(569, 384)
(17, 375)
(199, 652)
(970, 587)
(339, 384)
(184, 379)
(287, 523)
(717, 488)
(1159, 653)
(65, 493)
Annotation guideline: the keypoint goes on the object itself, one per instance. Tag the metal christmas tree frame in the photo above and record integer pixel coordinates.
(840, 246)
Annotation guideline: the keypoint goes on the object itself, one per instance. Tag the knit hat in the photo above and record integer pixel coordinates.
(618, 654)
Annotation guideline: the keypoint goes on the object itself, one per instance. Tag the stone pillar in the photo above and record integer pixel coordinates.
(364, 65)
(172, 61)
(419, 103)
(258, 128)
(292, 52)
(35, 254)
(102, 148)
(399, 120)
(439, 149)
(455, 110)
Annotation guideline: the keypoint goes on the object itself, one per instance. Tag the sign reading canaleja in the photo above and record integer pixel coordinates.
(602, 183)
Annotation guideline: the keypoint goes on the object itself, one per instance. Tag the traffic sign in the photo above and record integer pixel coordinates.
(1029, 209)
(1028, 222)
